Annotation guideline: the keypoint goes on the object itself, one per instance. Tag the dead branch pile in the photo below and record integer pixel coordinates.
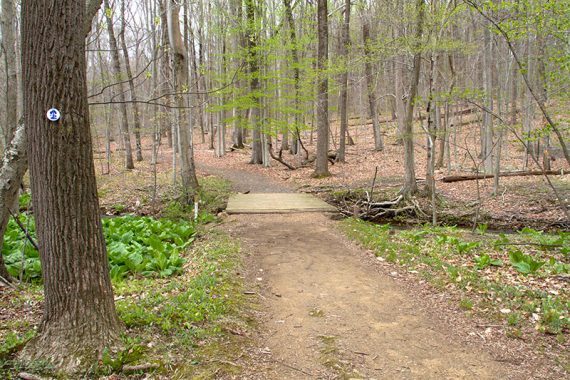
(363, 206)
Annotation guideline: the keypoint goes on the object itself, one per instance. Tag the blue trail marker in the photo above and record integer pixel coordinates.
(53, 114)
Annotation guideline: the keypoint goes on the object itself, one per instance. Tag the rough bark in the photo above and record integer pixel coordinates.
(370, 85)
(79, 318)
(182, 82)
(322, 162)
(295, 143)
(343, 99)
(136, 113)
(8, 28)
(14, 165)
(410, 184)
(116, 67)
(255, 85)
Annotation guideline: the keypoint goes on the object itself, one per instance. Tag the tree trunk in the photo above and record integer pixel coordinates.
(136, 113)
(181, 84)
(295, 143)
(322, 162)
(370, 85)
(410, 184)
(79, 318)
(165, 69)
(14, 165)
(487, 138)
(8, 29)
(255, 86)
(121, 93)
(343, 99)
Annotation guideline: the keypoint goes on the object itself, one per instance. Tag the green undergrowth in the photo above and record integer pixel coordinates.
(135, 246)
(519, 279)
(182, 323)
(177, 289)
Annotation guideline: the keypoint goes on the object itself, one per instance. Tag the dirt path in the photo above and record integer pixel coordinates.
(328, 310)
(329, 314)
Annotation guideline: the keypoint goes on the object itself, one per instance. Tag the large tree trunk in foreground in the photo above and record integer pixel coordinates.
(79, 318)
(322, 163)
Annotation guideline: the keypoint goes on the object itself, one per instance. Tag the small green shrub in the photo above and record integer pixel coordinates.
(525, 264)
(484, 261)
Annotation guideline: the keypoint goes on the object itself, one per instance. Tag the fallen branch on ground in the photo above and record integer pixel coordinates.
(280, 157)
(471, 177)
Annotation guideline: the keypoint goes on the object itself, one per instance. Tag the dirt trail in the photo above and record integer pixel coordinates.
(328, 310)
(330, 314)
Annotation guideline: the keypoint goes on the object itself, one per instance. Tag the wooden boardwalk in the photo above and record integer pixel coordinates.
(276, 203)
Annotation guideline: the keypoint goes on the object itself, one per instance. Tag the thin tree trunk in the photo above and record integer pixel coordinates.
(322, 163)
(370, 85)
(410, 184)
(487, 140)
(8, 28)
(129, 164)
(295, 143)
(136, 113)
(343, 99)
(255, 85)
(181, 82)
(14, 165)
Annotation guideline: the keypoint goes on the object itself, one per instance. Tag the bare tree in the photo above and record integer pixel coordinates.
(126, 137)
(343, 99)
(370, 84)
(8, 28)
(181, 84)
(322, 163)
(135, 105)
(410, 184)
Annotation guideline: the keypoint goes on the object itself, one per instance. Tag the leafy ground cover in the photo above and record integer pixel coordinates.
(177, 290)
(135, 245)
(519, 281)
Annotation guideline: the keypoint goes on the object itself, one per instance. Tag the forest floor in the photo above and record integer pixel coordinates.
(520, 201)
(329, 309)
(318, 298)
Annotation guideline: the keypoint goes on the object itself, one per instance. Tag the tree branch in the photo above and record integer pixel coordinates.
(525, 77)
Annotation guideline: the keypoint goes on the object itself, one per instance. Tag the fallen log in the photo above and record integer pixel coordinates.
(472, 177)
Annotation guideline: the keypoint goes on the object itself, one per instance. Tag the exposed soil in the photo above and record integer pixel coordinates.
(330, 310)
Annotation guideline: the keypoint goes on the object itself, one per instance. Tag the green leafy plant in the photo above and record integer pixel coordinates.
(482, 228)
(554, 319)
(484, 261)
(135, 245)
(463, 247)
(523, 263)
